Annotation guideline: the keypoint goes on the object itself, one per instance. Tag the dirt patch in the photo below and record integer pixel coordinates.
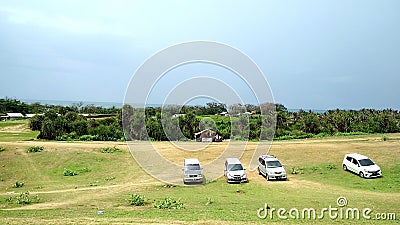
(20, 128)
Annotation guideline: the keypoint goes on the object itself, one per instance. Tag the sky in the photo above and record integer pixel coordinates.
(314, 54)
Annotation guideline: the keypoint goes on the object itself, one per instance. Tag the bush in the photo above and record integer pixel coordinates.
(25, 199)
(169, 203)
(68, 172)
(18, 184)
(109, 178)
(88, 137)
(331, 167)
(296, 170)
(110, 150)
(35, 149)
(2, 149)
(136, 200)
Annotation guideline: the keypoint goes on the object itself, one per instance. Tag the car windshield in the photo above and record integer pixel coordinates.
(235, 167)
(274, 164)
(366, 162)
(192, 167)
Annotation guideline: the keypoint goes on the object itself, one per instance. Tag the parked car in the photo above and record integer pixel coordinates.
(271, 168)
(192, 172)
(234, 171)
(361, 165)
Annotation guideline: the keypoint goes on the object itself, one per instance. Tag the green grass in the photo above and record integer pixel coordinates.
(20, 133)
(9, 123)
(106, 181)
(389, 182)
(13, 137)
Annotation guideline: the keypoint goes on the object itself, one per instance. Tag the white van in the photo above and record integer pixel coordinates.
(192, 172)
(361, 165)
(271, 168)
(234, 171)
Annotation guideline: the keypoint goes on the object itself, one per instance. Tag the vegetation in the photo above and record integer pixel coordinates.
(169, 203)
(14, 105)
(73, 126)
(24, 198)
(162, 125)
(66, 123)
(69, 172)
(65, 200)
(2, 149)
(136, 200)
(35, 149)
(18, 184)
(110, 150)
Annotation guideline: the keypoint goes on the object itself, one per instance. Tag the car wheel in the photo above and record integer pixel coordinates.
(267, 177)
(259, 172)
(361, 174)
(344, 167)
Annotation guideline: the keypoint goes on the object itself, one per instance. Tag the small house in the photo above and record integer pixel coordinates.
(207, 135)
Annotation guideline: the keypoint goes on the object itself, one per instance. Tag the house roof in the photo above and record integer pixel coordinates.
(15, 115)
(206, 130)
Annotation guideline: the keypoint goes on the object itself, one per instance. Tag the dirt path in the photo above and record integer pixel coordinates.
(116, 188)
(20, 128)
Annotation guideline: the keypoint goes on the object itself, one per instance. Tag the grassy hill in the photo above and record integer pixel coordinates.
(104, 182)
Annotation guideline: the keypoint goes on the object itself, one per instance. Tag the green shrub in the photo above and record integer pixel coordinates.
(315, 168)
(385, 138)
(169, 203)
(68, 172)
(18, 184)
(2, 149)
(110, 150)
(109, 178)
(25, 199)
(296, 170)
(88, 137)
(35, 149)
(136, 200)
(331, 167)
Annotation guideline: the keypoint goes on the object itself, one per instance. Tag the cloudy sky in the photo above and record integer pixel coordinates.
(314, 54)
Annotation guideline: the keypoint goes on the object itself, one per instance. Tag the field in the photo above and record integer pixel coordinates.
(104, 182)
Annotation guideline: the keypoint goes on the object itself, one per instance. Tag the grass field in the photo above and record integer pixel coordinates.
(106, 180)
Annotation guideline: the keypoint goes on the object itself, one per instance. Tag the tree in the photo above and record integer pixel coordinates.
(35, 122)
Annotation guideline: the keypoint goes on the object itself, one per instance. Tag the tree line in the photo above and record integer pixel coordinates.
(182, 122)
(8, 105)
(335, 122)
(279, 124)
(74, 126)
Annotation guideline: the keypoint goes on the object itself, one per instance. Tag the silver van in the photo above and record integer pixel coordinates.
(270, 167)
(234, 171)
(192, 172)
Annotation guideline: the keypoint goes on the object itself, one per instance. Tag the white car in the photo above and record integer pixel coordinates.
(271, 168)
(234, 171)
(361, 165)
(192, 172)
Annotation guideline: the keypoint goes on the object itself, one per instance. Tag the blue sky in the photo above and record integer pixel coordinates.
(314, 54)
